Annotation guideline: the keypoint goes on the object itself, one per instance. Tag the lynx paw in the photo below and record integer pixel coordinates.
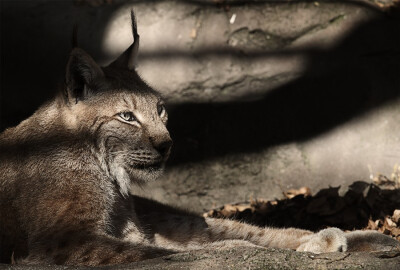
(370, 241)
(328, 240)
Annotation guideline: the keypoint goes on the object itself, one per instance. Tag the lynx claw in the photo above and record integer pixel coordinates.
(328, 240)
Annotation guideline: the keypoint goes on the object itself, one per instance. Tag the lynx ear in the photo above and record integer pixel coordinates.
(83, 75)
(127, 60)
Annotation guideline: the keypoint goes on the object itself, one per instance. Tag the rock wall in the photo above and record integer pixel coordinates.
(263, 95)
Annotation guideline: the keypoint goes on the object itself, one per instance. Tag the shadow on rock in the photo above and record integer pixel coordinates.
(357, 76)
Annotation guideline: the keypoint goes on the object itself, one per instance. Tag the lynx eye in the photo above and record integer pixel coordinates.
(127, 116)
(161, 110)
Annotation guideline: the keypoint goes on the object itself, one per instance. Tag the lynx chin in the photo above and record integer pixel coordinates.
(66, 172)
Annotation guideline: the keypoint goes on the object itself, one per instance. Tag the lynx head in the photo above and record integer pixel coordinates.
(124, 118)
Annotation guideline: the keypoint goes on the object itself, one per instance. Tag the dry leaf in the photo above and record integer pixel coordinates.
(396, 216)
(306, 191)
(193, 33)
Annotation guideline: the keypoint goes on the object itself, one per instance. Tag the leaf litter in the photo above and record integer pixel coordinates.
(364, 206)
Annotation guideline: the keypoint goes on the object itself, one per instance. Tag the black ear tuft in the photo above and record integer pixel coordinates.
(83, 75)
(128, 59)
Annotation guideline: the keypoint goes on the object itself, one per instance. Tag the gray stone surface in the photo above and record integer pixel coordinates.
(273, 41)
(243, 61)
(252, 258)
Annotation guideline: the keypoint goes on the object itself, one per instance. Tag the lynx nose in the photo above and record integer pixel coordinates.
(163, 147)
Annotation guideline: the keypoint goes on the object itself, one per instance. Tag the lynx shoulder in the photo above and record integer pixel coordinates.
(66, 172)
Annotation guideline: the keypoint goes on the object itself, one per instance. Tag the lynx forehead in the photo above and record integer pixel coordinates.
(66, 172)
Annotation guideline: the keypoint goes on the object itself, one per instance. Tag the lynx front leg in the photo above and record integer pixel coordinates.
(221, 229)
(77, 248)
(328, 240)
(211, 230)
(172, 228)
(192, 232)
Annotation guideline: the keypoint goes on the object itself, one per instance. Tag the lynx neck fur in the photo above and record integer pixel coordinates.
(66, 172)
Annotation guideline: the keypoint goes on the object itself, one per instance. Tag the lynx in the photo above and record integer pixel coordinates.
(66, 172)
